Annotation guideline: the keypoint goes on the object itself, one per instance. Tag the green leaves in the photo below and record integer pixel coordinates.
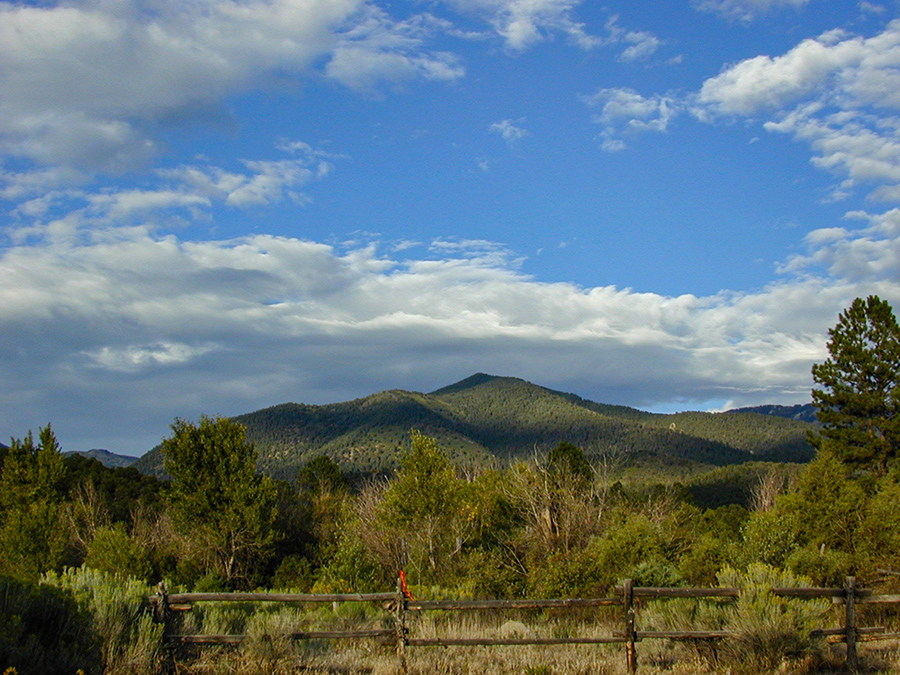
(32, 535)
(217, 498)
(860, 399)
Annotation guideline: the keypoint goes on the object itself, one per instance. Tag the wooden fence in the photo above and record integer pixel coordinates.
(627, 596)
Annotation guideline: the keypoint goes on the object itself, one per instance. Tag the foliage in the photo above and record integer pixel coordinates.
(859, 401)
(120, 490)
(567, 458)
(736, 483)
(828, 504)
(43, 631)
(769, 538)
(878, 535)
(33, 537)
(768, 627)
(218, 499)
(420, 508)
(112, 550)
(131, 640)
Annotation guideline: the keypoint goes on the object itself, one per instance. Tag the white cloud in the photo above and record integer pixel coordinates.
(134, 358)
(839, 93)
(524, 23)
(87, 85)
(642, 46)
(379, 49)
(746, 10)
(762, 83)
(149, 327)
(624, 112)
(869, 254)
(508, 131)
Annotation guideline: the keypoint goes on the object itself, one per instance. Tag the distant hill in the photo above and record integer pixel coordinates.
(802, 412)
(490, 420)
(106, 458)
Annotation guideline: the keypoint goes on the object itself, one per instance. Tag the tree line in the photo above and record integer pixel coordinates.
(555, 525)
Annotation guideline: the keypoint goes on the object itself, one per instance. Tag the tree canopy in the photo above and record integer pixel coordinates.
(859, 400)
(218, 497)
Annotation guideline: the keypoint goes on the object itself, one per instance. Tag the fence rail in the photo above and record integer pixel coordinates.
(399, 604)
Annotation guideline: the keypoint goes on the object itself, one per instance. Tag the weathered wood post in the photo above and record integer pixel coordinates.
(850, 623)
(400, 623)
(630, 651)
(162, 615)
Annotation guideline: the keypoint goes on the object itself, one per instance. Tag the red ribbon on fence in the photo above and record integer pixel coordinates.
(403, 587)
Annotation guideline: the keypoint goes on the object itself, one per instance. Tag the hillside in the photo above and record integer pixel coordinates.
(804, 412)
(106, 458)
(485, 420)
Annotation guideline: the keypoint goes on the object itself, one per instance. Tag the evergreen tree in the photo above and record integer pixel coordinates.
(860, 396)
(33, 537)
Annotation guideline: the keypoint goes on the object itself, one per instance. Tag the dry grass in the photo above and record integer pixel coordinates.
(366, 657)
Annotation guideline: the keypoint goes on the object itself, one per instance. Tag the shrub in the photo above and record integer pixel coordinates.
(43, 631)
(294, 572)
(112, 551)
(825, 567)
(769, 628)
(122, 618)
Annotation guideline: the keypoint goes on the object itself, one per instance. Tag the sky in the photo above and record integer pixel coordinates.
(208, 207)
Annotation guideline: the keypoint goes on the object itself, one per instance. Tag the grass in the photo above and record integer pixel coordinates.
(278, 655)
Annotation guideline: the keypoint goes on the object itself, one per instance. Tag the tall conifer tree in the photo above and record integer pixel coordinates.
(859, 401)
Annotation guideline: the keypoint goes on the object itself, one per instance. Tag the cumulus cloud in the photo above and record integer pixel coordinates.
(624, 112)
(746, 10)
(869, 254)
(147, 327)
(839, 93)
(87, 85)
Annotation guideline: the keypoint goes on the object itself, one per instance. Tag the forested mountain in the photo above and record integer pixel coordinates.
(803, 412)
(488, 420)
(106, 458)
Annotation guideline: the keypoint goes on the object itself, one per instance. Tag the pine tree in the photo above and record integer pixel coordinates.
(860, 399)
(32, 535)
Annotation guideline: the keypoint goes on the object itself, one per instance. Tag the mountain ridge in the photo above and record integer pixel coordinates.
(489, 420)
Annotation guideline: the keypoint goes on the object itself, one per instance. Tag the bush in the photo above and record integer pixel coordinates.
(43, 631)
(122, 618)
(113, 551)
(296, 573)
(825, 567)
(769, 537)
(768, 628)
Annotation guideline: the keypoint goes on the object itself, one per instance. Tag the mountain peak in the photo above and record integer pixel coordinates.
(469, 383)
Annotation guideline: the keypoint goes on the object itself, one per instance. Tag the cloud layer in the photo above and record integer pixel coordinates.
(153, 326)
(113, 320)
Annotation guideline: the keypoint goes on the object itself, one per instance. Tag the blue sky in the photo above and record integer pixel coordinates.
(211, 207)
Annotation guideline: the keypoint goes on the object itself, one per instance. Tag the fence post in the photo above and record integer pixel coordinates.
(850, 623)
(630, 651)
(162, 615)
(400, 623)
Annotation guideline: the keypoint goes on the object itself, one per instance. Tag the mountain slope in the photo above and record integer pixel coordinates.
(486, 419)
(108, 459)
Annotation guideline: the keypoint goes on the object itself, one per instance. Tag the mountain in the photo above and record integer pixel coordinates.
(803, 412)
(490, 420)
(106, 458)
